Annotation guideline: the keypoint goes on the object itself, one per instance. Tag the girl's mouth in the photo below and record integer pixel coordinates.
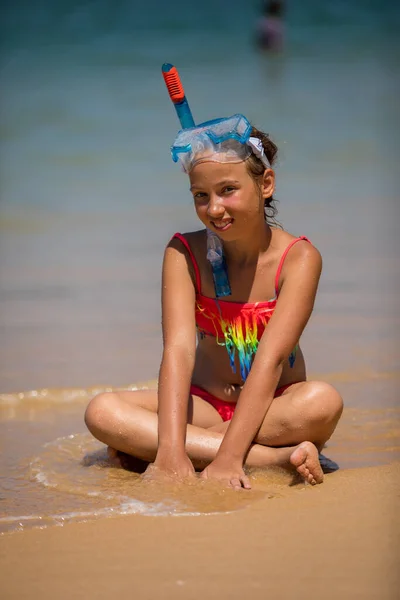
(222, 225)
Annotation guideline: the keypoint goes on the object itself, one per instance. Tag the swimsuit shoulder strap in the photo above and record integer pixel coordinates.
(184, 241)
(278, 272)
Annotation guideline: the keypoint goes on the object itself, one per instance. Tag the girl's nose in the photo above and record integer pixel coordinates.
(215, 206)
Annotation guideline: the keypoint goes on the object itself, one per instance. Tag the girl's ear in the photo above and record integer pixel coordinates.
(268, 183)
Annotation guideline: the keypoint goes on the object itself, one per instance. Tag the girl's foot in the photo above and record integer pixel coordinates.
(306, 462)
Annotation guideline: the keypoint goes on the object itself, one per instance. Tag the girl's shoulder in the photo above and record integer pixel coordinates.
(196, 240)
(281, 240)
(293, 248)
(193, 244)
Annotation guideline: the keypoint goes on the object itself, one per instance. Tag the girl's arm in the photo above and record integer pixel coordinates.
(301, 275)
(179, 337)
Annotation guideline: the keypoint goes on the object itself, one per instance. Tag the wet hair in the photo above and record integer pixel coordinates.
(256, 170)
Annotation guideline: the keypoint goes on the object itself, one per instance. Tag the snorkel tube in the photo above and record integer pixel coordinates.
(215, 252)
(177, 95)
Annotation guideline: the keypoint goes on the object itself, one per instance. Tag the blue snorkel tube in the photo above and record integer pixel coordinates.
(177, 95)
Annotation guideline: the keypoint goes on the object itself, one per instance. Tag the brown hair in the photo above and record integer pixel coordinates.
(256, 170)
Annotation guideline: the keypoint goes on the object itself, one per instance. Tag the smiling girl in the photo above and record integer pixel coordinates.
(236, 297)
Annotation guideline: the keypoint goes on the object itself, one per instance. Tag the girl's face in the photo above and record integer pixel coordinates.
(227, 199)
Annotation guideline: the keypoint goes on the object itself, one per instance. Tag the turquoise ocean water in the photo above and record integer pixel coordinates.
(89, 197)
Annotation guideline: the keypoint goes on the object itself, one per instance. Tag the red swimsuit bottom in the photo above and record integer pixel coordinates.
(224, 407)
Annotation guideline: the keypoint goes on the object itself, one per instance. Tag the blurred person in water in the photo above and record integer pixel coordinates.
(236, 297)
(270, 28)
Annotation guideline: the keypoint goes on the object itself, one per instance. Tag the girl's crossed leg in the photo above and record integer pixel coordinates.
(297, 424)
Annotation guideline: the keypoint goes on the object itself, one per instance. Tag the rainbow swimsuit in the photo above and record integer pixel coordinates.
(236, 325)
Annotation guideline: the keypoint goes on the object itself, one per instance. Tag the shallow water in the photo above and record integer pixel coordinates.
(89, 198)
(55, 472)
(70, 477)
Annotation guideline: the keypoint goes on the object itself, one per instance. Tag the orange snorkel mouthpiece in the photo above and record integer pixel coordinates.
(177, 95)
(174, 85)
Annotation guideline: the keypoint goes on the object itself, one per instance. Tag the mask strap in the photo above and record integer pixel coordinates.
(258, 149)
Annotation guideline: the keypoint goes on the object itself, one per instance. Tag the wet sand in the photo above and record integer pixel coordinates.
(336, 540)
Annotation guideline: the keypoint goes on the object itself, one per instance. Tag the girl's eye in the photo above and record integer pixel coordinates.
(199, 195)
(228, 189)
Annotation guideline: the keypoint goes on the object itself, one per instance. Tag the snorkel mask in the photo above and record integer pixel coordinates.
(220, 140)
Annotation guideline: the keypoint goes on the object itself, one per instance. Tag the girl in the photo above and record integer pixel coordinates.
(240, 395)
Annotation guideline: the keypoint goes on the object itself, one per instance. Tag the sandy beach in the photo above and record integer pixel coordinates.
(336, 540)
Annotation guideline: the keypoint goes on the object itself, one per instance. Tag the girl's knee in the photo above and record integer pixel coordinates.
(98, 414)
(322, 402)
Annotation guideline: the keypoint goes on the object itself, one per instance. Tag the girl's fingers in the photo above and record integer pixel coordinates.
(238, 482)
(246, 482)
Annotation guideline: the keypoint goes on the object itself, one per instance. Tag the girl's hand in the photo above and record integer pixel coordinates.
(227, 472)
(177, 466)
